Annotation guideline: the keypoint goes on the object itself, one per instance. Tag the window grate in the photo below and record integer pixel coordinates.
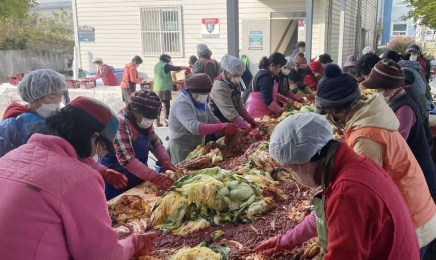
(161, 31)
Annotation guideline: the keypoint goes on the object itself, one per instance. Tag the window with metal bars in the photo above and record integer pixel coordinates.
(161, 31)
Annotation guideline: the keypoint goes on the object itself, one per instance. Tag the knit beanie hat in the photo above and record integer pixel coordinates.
(40, 83)
(413, 47)
(386, 74)
(300, 59)
(335, 88)
(316, 67)
(198, 83)
(147, 102)
(98, 116)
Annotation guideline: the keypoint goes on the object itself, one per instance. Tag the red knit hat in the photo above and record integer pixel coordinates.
(147, 102)
(386, 74)
(198, 83)
(316, 67)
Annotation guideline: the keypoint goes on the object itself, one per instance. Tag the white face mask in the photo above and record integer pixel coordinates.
(45, 110)
(202, 98)
(98, 66)
(380, 94)
(236, 80)
(146, 123)
(286, 71)
(413, 57)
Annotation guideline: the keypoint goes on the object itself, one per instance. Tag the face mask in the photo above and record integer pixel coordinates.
(202, 98)
(45, 110)
(304, 177)
(146, 123)
(413, 57)
(286, 71)
(98, 66)
(380, 94)
(235, 80)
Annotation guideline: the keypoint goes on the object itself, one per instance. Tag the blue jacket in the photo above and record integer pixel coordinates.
(15, 131)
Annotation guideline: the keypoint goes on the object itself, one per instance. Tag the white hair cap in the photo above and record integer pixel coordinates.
(232, 64)
(202, 48)
(368, 49)
(40, 83)
(97, 59)
(299, 137)
(290, 62)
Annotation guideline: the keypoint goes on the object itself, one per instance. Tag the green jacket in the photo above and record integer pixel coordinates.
(162, 81)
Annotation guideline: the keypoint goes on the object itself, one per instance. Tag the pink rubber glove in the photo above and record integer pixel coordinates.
(282, 99)
(219, 128)
(164, 158)
(275, 107)
(241, 123)
(186, 68)
(142, 171)
(294, 237)
(294, 97)
(144, 244)
(249, 119)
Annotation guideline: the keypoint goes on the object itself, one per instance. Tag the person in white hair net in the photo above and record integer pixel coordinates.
(284, 81)
(205, 63)
(42, 90)
(359, 206)
(368, 49)
(225, 97)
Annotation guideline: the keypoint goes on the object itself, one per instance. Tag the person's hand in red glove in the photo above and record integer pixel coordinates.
(229, 128)
(114, 178)
(168, 166)
(252, 123)
(186, 68)
(144, 244)
(162, 181)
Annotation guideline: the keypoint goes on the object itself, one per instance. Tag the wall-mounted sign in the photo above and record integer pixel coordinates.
(210, 27)
(301, 23)
(255, 40)
(86, 34)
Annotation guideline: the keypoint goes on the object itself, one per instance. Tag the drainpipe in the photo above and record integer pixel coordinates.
(233, 27)
(376, 23)
(329, 29)
(341, 34)
(309, 23)
(77, 59)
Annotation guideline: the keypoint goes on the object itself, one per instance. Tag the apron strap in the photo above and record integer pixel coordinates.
(327, 176)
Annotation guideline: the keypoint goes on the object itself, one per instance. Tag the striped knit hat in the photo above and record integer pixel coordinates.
(98, 116)
(147, 102)
(198, 83)
(300, 59)
(386, 74)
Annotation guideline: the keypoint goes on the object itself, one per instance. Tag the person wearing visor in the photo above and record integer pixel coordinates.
(225, 97)
(416, 55)
(105, 72)
(134, 140)
(163, 83)
(263, 96)
(191, 119)
(51, 197)
(355, 191)
(371, 129)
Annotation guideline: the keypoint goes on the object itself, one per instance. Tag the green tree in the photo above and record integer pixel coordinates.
(15, 8)
(422, 12)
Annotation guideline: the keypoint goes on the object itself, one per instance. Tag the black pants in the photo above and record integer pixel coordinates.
(166, 107)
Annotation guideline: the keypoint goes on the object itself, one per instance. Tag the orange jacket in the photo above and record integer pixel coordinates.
(130, 74)
(401, 165)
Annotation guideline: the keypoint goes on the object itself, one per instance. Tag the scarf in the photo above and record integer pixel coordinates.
(201, 106)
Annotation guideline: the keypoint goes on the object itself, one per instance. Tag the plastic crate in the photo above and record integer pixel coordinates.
(73, 83)
(13, 81)
(87, 84)
(19, 76)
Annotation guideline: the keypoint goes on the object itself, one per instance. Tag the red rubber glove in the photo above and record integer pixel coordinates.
(229, 128)
(294, 237)
(241, 123)
(186, 68)
(294, 97)
(282, 99)
(275, 107)
(144, 244)
(116, 179)
(249, 119)
(142, 171)
(164, 158)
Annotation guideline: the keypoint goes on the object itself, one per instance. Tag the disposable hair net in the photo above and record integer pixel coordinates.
(298, 138)
(368, 49)
(232, 64)
(97, 59)
(290, 63)
(202, 48)
(40, 83)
